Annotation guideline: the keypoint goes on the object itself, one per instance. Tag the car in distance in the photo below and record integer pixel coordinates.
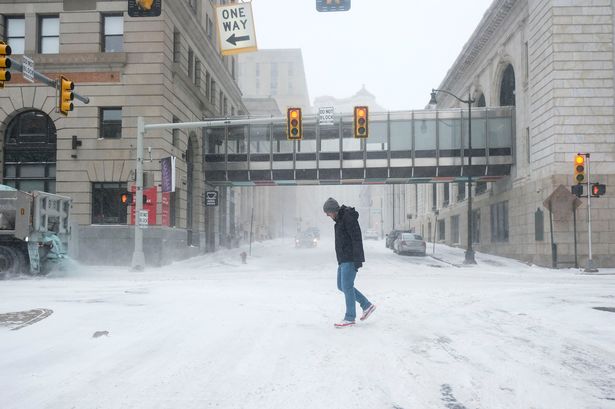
(409, 243)
(370, 234)
(305, 239)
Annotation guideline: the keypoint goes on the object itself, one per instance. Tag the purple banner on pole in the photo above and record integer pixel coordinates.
(167, 167)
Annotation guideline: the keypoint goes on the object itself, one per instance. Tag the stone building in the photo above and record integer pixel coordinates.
(166, 69)
(553, 61)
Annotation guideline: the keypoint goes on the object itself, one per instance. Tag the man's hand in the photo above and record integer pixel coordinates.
(358, 265)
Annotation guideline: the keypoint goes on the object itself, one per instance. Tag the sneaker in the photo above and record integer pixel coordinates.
(344, 323)
(368, 312)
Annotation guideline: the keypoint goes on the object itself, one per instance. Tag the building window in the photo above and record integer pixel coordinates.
(49, 39)
(177, 44)
(197, 73)
(16, 34)
(434, 197)
(114, 34)
(455, 229)
(481, 187)
(527, 144)
(106, 204)
(507, 87)
(207, 81)
(209, 27)
(539, 225)
(30, 152)
(225, 111)
(441, 230)
(499, 222)
(232, 111)
(461, 191)
(221, 99)
(446, 195)
(111, 123)
(213, 92)
(476, 226)
(480, 102)
(191, 64)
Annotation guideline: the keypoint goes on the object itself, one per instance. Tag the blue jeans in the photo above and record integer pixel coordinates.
(346, 273)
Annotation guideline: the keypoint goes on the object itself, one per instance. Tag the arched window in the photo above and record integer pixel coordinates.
(507, 87)
(30, 152)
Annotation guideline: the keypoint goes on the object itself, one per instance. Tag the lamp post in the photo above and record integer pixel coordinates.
(469, 256)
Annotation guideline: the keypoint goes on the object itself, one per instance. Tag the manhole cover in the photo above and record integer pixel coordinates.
(20, 319)
(608, 309)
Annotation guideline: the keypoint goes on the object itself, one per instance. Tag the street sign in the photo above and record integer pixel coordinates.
(27, 68)
(211, 198)
(143, 217)
(325, 115)
(236, 28)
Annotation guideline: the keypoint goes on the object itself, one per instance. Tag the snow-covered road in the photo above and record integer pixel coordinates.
(211, 332)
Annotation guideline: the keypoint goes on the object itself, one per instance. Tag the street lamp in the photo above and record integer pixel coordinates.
(433, 103)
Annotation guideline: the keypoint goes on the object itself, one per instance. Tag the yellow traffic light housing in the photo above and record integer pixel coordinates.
(66, 95)
(361, 122)
(294, 125)
(579, 168)
(144, 8)
(5, 63)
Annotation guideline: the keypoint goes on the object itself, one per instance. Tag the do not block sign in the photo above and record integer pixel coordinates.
(235, 28)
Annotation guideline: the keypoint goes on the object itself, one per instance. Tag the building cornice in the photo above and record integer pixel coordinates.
(492, 21)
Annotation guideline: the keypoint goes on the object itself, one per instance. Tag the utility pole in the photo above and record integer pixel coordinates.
(590, 263)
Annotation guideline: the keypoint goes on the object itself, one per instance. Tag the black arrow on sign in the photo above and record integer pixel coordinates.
(233, 40)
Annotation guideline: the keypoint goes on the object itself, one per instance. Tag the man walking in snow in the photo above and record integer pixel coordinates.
(350, 257)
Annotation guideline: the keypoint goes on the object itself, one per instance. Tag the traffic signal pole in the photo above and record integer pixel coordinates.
(590, 263)
(46, 80)
(138, 257)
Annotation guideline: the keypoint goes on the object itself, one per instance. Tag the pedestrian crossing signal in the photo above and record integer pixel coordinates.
(598, 189)
(579, 168)
(294, 124)
(126, 198)
(360, 122)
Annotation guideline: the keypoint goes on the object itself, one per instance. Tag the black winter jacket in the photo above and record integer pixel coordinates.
(348, 239)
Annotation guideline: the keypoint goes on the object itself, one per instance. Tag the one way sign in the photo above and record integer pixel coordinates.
(236, 28)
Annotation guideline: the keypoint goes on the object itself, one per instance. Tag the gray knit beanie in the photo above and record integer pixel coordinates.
(331, 205)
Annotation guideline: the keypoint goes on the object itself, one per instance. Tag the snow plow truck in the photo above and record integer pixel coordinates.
(34, 231)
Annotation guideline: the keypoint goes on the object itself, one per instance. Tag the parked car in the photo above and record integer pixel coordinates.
(370, 234)
(409, 243)
(306, 239)
(392, 236)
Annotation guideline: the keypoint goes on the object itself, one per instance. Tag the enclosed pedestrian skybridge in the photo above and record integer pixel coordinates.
(402, 147)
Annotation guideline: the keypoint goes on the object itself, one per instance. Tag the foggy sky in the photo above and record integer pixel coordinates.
(399, 49)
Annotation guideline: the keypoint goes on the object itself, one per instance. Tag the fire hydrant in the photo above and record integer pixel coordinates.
(243, 255)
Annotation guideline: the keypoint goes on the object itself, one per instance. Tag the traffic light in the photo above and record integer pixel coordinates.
(126, 198)
(360, 122)
(144, 8)
(5, 63)
(332, 5)
(294, 126)
(598, 189)
(66, 95)
(579, 168)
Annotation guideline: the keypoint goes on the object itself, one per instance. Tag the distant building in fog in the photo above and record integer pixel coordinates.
(278, 74)
(362, 97)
